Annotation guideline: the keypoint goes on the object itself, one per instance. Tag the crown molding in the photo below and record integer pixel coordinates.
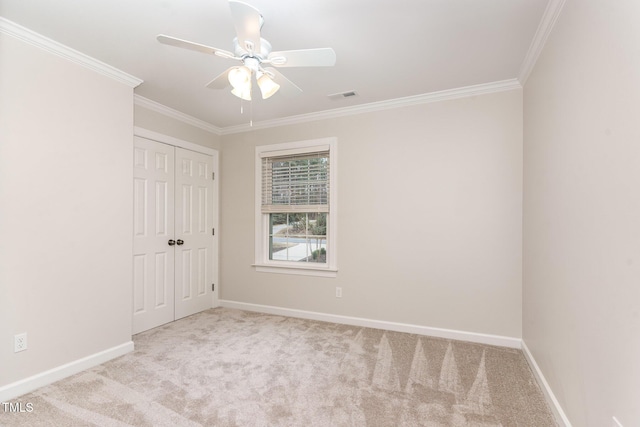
(426, 98)
(175, 114)
(443, 95)
(547, 23)
(170, 140)
(31, 37)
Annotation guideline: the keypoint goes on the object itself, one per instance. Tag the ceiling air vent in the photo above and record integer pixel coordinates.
(343, 95)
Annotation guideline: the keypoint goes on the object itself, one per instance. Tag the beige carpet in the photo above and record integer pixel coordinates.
(227, 367)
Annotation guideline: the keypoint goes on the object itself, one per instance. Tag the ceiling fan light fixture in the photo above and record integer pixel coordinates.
(243, 94)
(240, 78)
(267, 86)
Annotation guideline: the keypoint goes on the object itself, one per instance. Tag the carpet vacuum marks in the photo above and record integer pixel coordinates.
(225, 367)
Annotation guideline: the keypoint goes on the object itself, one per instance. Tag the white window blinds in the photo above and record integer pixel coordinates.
(297, 182)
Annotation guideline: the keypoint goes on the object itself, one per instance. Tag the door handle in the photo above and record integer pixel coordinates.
(179, 242)
(172, 242)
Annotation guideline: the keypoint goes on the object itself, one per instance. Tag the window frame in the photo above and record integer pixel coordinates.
(262, 261)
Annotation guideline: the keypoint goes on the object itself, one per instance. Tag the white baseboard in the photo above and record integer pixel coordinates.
(18, 388)
(557, 410)
(378, 324)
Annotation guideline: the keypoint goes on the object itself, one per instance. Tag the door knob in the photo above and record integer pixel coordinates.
(179, 242)
(172, 242)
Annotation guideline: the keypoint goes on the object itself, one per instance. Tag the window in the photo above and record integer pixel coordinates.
(296, 207)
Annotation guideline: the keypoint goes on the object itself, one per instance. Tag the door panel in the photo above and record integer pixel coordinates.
(194, 225)
(153, 258)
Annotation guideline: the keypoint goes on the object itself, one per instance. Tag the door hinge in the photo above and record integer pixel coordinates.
(213, 231)
(213, 175)
(213, 287)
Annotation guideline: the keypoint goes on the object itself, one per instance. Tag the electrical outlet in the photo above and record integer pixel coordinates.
(20, 342)
(616, 423)
(338, 292)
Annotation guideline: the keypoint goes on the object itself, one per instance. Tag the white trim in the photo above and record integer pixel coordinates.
(216, 226)
(443, 95)
(548, 21)
(561, 417)
(18, 388)
(301, 271)
(488, 339)
(165, 139)
(26, 35)
(175, 114)
(299, 149)
(262, 264)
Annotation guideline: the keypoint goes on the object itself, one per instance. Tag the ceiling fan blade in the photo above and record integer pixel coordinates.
(185, 44)
(221, 81)
(287, 87)
(321, 57)
(247, 21)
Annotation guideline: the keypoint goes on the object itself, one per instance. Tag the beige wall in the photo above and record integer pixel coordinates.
(429, 217)
(582, 212)
(157, 122)
(65, 215)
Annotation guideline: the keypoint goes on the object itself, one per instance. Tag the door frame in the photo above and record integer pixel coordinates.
(166, 139)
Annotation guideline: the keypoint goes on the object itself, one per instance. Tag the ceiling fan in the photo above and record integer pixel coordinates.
(255, 54)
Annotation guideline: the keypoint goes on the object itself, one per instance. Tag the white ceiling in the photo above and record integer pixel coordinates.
(385, 49)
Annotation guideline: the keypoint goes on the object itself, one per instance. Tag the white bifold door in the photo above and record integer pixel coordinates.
(173, 233)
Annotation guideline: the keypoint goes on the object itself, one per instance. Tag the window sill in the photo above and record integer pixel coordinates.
(302, 271)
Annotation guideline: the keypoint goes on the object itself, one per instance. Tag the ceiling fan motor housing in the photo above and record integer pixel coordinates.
(252, 63)
(247, 50)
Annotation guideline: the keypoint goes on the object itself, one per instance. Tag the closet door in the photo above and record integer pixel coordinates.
(194, 232)
(153, 233)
